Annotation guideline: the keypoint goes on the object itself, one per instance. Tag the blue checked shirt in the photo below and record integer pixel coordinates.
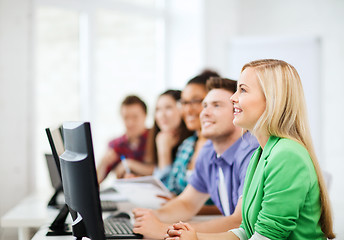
(177, 179)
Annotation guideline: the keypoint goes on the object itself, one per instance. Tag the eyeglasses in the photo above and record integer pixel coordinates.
(193, 103)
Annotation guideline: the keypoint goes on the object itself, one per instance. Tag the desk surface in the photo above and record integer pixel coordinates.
(41, 235)
(32, 211)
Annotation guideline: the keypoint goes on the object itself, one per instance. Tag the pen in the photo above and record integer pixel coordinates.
(125, 164)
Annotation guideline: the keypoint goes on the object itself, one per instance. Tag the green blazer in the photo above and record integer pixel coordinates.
(281, 193)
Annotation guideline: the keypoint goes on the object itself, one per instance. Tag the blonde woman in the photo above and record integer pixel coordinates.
(284, 193)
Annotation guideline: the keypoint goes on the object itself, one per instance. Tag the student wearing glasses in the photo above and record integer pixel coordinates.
(219, 172)
(191, 101)
(168, 132)
(284, 194)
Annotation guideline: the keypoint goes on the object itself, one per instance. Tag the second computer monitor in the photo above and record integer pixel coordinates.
(79, 181)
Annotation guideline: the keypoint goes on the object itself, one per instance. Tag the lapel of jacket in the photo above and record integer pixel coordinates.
(254, 176)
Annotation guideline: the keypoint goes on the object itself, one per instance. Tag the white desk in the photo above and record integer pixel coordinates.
(41, 234)
(30, 213)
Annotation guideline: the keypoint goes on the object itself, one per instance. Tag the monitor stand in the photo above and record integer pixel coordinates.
(58, 226)
(53, 200)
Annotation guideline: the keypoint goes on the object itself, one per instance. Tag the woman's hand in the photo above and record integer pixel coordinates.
(166, 140)
(181, 231)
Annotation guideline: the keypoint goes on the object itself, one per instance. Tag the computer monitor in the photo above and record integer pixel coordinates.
(56, 144)
(55, 177)
(55, 138)
(58, 226)
(79, 181)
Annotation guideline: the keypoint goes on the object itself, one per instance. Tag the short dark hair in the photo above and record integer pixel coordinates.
(221, 83)
(133, 99)
(203, 77)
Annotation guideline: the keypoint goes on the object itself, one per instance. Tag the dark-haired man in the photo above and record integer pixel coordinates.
(132, 144)
(219, 174)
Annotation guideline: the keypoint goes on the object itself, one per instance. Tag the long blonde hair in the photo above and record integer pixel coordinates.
(285, 116)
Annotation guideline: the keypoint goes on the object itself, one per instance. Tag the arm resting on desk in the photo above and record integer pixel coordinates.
(154, 224)
(183, 207)
(220, 224)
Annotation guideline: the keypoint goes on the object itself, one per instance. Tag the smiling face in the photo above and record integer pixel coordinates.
(248, 100)
(217, 114)
(191, 100)
(167, 113)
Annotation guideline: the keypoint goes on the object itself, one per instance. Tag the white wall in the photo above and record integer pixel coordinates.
(221, 23)
(185, 41)
(324, 19)
(15, 101)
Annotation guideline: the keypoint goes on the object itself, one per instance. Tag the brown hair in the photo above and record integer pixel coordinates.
(221, 83)
(133, 99)
(203, 77)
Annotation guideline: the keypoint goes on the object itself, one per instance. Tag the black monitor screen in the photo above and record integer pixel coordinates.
(56, 144)
(53, 163)
(79, 181)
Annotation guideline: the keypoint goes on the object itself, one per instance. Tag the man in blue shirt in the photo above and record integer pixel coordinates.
(219, 173)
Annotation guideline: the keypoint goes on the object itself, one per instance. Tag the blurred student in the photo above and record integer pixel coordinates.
(284, 195)
(219, 174)
(132, 144)
(167, 133)
(191, 101)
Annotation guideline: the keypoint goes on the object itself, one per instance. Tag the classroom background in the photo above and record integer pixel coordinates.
(76, 60)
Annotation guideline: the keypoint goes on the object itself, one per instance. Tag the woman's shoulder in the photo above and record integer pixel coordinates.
(290, 147)
(290, 152)
(291, 159)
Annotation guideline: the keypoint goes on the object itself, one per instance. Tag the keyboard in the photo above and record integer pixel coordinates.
(108, 205)
(108, 191)
(119, 228)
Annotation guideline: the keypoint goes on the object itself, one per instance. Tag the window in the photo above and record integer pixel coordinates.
(126, 62)
(57, 95)
(90, 54)
(88, 60)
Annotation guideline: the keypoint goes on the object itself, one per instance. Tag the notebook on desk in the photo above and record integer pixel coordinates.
(79, 179)
(143, 191)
